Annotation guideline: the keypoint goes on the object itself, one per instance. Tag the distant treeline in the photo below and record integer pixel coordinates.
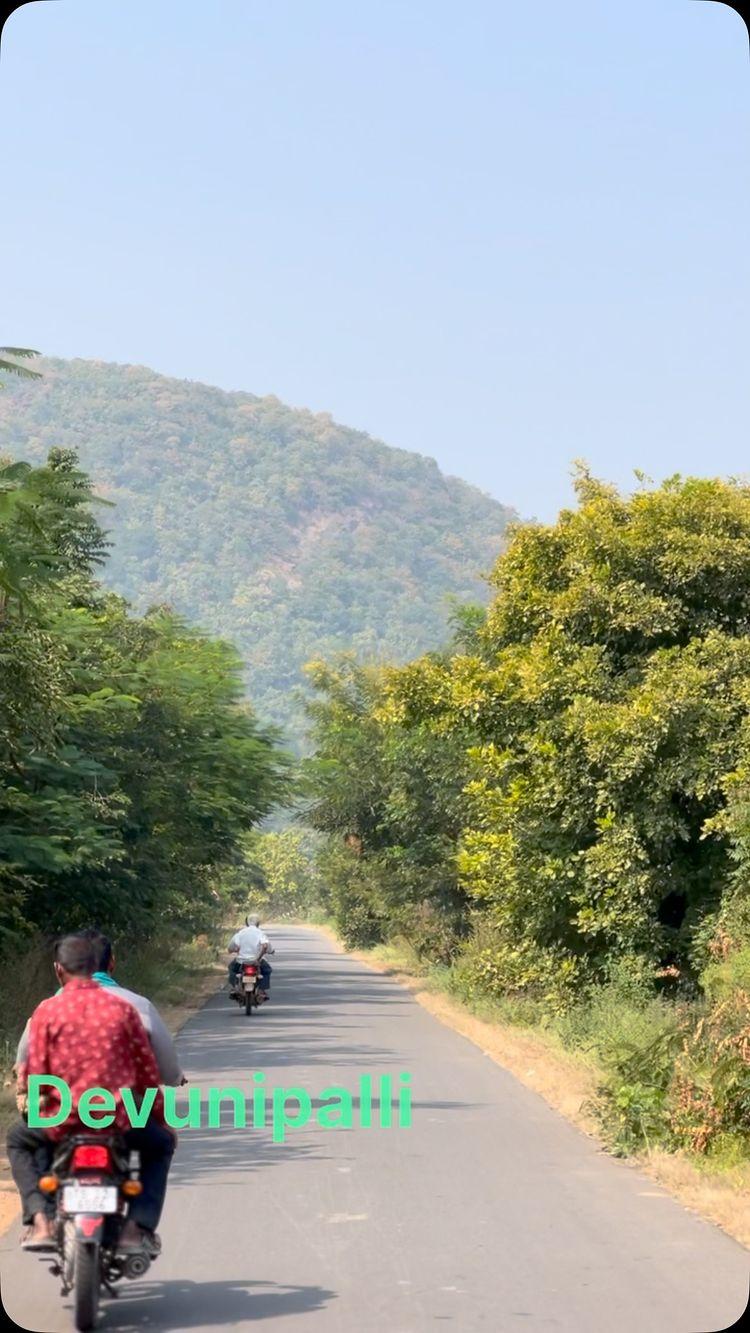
(558, 806)
(276, 528)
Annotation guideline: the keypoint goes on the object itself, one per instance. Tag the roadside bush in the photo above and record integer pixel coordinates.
(26, 978)
(710, 1095)
(165, 968)
(430, 932)
(571, 778)
(489, 967)
(637, 1051)
(710, 1091)
(677, 1073)
(357, 911)
(357, 924)
(726, 976)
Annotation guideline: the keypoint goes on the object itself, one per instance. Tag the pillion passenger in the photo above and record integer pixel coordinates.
(163, 1047)
(90, 1038)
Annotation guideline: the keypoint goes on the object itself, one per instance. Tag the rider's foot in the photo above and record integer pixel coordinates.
(40, 1235)
(132, 1237)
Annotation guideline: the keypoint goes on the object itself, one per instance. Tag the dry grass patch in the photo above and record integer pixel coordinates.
(723, 1198)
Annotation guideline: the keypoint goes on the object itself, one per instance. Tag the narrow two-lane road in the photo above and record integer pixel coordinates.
(490, 1212)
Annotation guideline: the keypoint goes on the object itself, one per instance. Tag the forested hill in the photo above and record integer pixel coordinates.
(277, 528)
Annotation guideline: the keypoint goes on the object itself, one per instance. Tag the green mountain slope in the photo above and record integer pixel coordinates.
(276, 528)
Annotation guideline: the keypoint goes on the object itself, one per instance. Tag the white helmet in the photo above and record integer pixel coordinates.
(252, 920)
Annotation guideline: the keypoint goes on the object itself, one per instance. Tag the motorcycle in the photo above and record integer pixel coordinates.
(93, 1177)
(246, 987)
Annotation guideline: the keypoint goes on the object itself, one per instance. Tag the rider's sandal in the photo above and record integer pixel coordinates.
(36, 1244)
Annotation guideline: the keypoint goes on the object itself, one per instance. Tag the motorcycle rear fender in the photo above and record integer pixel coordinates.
(90, 1226)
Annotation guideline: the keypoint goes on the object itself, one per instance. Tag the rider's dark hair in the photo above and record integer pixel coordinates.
(103, 947)
(77, 955)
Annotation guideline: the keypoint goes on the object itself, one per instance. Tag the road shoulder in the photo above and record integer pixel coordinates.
(567, 1085)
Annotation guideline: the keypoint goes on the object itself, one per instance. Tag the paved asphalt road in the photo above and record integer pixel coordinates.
(490, 1212)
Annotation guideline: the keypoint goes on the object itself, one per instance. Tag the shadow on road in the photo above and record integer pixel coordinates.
(302, 1029)
(185, 1304)
(308, 1000)
(209, 1157)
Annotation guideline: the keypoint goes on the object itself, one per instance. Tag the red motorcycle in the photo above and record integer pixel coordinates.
(93, 1177)
(246, 988)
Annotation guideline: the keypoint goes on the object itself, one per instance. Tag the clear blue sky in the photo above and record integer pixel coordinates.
(503, 234)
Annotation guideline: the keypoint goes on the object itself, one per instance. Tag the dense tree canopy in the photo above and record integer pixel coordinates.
(390, 798)
(558, 806)
(130, 765)
(567, 772)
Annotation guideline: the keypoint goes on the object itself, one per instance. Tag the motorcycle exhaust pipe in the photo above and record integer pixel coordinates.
(136, 1265)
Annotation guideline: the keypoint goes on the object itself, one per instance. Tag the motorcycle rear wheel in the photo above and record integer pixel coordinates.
(86, 1285)
(248, 1002)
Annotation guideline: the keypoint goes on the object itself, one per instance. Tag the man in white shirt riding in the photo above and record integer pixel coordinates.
(250, 945)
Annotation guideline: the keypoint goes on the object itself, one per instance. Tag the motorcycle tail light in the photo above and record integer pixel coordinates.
(48, 1184)
(91, 1154)
(250, 969)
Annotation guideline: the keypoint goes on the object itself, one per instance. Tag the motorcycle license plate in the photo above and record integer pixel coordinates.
(90, 1199)
(249, 983)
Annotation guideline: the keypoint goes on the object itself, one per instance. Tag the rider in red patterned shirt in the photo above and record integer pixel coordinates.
(90, 1038)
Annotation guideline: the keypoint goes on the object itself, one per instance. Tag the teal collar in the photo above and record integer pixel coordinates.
(103, 978)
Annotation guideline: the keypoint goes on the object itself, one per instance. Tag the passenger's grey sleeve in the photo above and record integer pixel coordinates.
(164, 1049)
(22, 1054)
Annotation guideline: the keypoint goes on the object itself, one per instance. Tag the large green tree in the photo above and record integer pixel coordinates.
(130, 764)
(389, 797)
(571, 765)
